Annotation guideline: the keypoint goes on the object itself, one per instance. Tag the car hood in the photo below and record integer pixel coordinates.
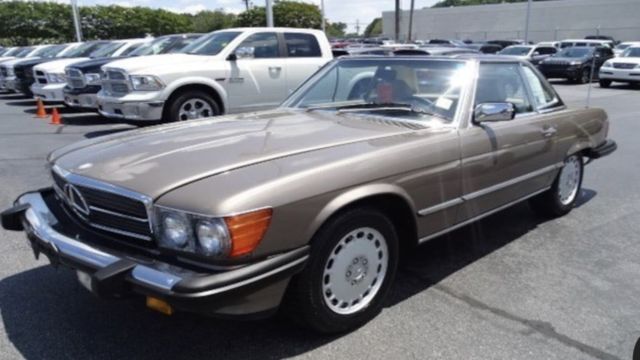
(13, 62)
(58, 66)
(144, 64)
(626, 60)
(95, 64)
(156, 160)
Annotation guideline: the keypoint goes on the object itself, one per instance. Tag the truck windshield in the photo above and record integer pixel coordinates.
(211, 44)
(575, 52)
(516, 50)
(24, 52)
(107, 51)
(165, 45)
(49, 51)
(86, 49)
(415, 90)
(632, 52)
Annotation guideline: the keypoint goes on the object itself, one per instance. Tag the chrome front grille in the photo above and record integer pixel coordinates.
(75, 78)
(104, 207)
(3, 71)
(115, 82)
(40, 76)
(624, 65)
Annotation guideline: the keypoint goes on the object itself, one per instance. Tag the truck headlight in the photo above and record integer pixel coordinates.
(146, 83)
(92, 79)
(216, 237)
(56, 78)
(607, 64)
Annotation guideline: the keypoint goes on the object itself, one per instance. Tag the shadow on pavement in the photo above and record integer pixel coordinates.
(93, 134)
(29, 102)
(46, 313)
(8, 96)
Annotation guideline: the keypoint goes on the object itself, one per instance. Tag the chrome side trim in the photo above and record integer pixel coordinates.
(516, 180)
(441, 206)
(483, 215)
(488, 190)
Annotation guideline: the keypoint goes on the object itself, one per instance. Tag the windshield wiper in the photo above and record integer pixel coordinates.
(388, 107)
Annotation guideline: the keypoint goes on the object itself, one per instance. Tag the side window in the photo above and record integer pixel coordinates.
(262, 45)
(543, 96)
(501, 82)
(546, 50)
(302, 45)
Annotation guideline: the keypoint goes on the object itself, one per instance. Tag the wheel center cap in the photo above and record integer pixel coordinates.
(357, 270)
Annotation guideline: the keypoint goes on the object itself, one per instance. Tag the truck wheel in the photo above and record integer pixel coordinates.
(561, 198)
(190, 105)
(349, 275)
(605, 83)
(585, 76)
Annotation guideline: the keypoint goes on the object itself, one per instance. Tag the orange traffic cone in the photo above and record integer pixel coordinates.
(56, 119)
(41, 112)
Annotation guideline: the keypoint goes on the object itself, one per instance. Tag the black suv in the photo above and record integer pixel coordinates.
(575, 63)
(84, 79)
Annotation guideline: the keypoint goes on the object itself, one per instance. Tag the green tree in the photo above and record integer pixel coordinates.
(374, 28)
(285, 13)
(336, 29)
(207, 21)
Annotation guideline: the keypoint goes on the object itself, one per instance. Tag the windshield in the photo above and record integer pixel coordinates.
(575, 52)
(107, 51)
(632, 52)
(431, 88)
(516, 50)
(86, 49)
(211, 44)
(165, 45)
(622, 46)
(49, 51)
(24, 52)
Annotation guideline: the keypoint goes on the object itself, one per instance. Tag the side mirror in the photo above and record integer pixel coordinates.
(232, 57)
(488, 112)
(535, 53)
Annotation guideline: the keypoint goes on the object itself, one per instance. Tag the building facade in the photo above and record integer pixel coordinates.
(549, 20)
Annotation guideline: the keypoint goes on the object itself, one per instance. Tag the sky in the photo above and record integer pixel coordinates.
(347, 11)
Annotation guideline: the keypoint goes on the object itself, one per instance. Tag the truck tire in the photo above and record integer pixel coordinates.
(565, 191)
(604, 83)
(349, 274)
(190, 105)
(584, 76)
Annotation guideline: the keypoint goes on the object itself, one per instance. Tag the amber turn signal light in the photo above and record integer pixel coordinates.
(159, 305)
(247, 230)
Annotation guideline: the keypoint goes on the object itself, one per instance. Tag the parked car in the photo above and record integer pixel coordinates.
(441, 42)
(625, 68)
(245, 214)
(84, 78)
(485, 48)
(586, 42)
(10, 54)
(361, 51)
(602, 37)
(436, 51)
(576, 63)
(8, 79)
(504, 43)
(531, 53)
(555, 44)
(621, 47)
(24, 69)
(232, 70)
(50, 78)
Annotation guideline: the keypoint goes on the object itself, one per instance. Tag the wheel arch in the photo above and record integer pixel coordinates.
(213, 89)
(392, 200)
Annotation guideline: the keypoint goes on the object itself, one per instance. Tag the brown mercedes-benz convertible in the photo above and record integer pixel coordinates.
(307, 207)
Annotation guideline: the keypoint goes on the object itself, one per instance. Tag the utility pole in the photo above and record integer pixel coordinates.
(323, 20)
(413, 2)
(397, 16)
(76, 20)
(526, 25)
(358, 26)
(246, 4)
(269, 14)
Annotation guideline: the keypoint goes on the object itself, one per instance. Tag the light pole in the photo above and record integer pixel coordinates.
(76, 20)
(526, 25)
(411, 20)
(322, 11)
(269, 14)
(397, 16)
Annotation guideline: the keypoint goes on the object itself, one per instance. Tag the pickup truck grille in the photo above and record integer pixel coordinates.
(40, 76)
(75, 78)
(105, 211)
(3, 71)
(19, 71)
(115, 82)
(624, 65)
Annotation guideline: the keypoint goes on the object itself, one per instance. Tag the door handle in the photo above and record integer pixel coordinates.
(549, 131)
(275, 68)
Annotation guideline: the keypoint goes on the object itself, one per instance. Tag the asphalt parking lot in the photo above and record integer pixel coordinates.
(512, 286)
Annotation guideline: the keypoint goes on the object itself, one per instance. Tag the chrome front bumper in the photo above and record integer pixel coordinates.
(139, 111)
(48, 92)
(242, 290)
(631, 75)
(84, 101)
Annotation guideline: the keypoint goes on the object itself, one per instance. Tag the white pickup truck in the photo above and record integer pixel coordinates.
(227, 71)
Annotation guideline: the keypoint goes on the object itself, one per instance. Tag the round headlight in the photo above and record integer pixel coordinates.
(213, 237)
(176, 230)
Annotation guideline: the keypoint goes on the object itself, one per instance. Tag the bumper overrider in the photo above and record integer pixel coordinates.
(253, 289)
(85, 99)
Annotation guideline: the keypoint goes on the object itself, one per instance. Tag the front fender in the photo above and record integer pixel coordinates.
(352, 196)
(197, 80)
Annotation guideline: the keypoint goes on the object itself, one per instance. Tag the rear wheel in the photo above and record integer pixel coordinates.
(605, 83)
(585, 76)
(562, 196)
(353, 262)
(191, 105)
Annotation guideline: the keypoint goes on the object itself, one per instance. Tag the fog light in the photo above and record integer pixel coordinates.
(159, 305)
(213, 237)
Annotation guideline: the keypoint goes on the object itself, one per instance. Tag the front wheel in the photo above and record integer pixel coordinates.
(585, 76)
(191, 105)
(563, 194)
(604, 83)
(353, 262)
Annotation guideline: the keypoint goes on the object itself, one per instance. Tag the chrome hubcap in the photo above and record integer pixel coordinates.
(355, 270)
(194, 109)
(569, 181)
